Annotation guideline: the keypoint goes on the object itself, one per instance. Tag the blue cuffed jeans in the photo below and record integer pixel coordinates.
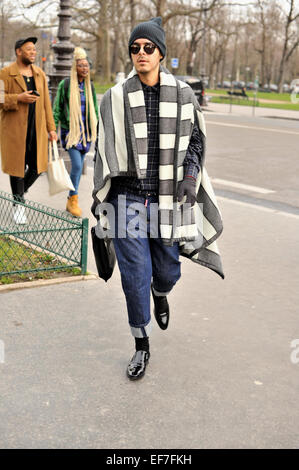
(77, 159)
(142, 259)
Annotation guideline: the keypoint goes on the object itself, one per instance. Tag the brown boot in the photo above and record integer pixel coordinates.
(72, 206)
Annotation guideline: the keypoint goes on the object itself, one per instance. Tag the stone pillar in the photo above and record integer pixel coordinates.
(63, 49)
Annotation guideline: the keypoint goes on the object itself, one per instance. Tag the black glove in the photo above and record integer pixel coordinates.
(187, 188)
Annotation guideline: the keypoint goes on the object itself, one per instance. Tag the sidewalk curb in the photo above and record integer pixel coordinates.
(47, 282)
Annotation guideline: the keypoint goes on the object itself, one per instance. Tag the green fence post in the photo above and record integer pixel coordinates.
(84, 246)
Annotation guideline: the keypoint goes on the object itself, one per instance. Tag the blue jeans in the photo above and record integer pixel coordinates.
(142, 259)
(77, 159)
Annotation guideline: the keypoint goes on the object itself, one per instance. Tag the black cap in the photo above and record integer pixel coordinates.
(19, 43)
(151, 30)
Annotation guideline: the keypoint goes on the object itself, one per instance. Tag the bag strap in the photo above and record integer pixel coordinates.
(50, 152)
(53, 151)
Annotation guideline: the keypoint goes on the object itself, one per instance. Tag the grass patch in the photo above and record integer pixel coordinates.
(289, 106)
(271, 96)
(32, 264)
(286, 97)
(286, 106)
(101, 88)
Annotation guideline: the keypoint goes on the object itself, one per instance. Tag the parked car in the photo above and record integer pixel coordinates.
(265, 88)
(226, 84)
(269, 88)
(251, 86)
(197, 86)
(238, 84)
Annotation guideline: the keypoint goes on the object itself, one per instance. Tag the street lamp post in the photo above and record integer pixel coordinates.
(63, 49)
(247, 69)
(203, 51)
(63, 63)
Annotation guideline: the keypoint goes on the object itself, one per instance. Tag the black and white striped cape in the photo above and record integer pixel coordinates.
(122, 151)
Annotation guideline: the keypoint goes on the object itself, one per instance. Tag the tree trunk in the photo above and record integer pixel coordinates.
(286, 53)
(263, 47)
(98, 64)
(263, 59)
(132, 14)
(115, 65)
(103, 52)
(223, 77)
(190, 56)
(281, 74)
(235, 60)
(283, 59)
(161, 8)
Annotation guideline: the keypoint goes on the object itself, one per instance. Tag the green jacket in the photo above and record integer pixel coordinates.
(61, 111)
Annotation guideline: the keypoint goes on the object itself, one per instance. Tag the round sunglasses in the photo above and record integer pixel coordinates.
(148, 48)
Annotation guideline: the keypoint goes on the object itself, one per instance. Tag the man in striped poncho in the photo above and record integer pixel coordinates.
(149, 168)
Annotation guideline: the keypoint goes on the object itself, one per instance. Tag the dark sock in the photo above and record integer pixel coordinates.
(142, 344)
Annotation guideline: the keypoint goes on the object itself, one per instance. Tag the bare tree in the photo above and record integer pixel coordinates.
(196, 30)
(290, 38)
(227, 38)
(262, 47)
(221, 31)
(168, 10)
(12, 26)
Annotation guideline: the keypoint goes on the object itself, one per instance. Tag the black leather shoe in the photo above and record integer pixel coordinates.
(161, 310)
(137, 365)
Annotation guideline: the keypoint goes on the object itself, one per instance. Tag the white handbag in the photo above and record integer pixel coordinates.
(58, 177)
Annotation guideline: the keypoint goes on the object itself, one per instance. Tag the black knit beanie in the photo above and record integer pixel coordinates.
(151, 30)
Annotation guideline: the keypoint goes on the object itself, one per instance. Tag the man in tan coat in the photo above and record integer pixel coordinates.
(26, 122)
